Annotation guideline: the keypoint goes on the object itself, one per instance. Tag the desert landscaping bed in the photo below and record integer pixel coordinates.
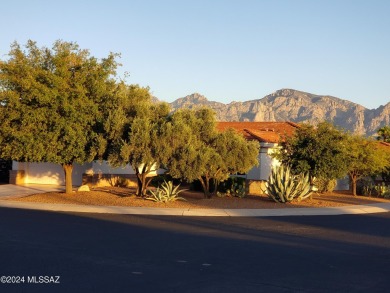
(115, 196)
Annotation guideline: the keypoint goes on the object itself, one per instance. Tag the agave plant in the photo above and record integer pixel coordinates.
(283, 186)
(168, 192)
(157, 195)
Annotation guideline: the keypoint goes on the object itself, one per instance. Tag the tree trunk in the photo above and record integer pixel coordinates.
(143, 189)
(216, 183)
(353, 184)
(206, 186)
(139, 184)
(142, 181)
(148, 180)
(68, 168)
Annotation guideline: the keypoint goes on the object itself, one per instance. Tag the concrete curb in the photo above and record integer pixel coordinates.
(345, 210)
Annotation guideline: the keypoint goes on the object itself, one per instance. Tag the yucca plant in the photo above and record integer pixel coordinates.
(168, 192)
(283, 186)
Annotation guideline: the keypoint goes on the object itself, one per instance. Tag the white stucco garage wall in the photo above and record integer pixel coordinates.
(49, 173)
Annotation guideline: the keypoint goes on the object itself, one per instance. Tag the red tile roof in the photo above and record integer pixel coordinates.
(271, 132)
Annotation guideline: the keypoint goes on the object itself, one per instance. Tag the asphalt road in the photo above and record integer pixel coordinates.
(123, 253)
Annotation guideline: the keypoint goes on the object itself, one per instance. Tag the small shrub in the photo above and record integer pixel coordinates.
(368, 189)
(382, 190)
(221, 194)
(238, 190)
(325, 185)
(166, 192)
(118, 181)
(233, 186)
(366, 186)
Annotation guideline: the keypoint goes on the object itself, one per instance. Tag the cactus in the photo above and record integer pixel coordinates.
(283, 186)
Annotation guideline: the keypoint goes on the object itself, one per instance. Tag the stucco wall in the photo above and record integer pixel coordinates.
(255, 187)
(104, 168)
(254, 173)
(48, 173)
(267, 162)
(262, 171)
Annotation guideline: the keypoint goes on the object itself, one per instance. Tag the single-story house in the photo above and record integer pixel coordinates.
(268, 134)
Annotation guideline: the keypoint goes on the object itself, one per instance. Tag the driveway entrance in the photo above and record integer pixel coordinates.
(5, 167)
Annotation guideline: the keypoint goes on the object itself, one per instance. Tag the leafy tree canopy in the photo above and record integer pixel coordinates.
(53, 102)
(364, 157)
(318, 150)
(384, 134)
(135, 134)
(203, 153)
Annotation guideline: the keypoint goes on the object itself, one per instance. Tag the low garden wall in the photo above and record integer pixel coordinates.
(255, 187)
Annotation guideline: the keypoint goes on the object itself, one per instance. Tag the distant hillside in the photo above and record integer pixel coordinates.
(296, 106)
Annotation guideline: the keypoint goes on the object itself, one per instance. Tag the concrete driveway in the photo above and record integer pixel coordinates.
(12, 191)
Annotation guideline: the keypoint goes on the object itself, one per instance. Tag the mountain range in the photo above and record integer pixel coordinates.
(295, 106)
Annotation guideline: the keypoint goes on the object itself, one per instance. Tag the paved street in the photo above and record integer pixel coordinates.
(129, 253)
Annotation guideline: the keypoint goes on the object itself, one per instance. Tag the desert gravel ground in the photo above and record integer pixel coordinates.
(116, 196)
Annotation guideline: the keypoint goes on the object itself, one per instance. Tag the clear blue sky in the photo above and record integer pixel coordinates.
(226, 50)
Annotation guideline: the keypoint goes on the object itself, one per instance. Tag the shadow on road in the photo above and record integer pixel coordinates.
(116, 253)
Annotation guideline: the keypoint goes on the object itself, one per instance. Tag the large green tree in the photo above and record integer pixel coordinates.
(384, 134)
(318, 150)
(130, 102)
(191, 156)
(364, 157)
(201, 152)
(135, 134)
(52, 104)
(238, 155)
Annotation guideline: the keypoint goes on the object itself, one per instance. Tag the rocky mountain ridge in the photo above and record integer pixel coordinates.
(295, 106)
